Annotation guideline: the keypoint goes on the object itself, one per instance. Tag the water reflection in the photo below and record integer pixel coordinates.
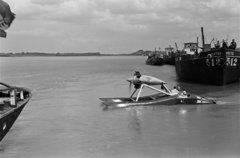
(135, 120)
(183, 112)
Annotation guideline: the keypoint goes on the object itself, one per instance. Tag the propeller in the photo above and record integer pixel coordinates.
(137, 79)
(131, 81)
(134, 80)
(130, 87)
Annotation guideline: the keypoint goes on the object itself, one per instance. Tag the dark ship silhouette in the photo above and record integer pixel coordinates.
(218, 65)
(155, 58)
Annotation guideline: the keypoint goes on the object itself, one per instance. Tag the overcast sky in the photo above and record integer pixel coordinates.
(117, 26)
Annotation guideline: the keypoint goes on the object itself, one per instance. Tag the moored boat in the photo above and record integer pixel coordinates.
(12, 101)
(155, 60)
(218, 66)
(169, 59)
(169, 56)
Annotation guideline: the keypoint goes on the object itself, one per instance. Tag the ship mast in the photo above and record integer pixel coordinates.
(176, 46)
(203, 42)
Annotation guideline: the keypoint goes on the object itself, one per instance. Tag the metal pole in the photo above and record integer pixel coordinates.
(139, 92)
(133, 93)
(156, 89)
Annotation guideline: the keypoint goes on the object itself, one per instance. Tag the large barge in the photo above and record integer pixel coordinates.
(218, 66)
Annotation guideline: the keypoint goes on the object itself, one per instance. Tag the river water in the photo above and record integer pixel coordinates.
(64, 117)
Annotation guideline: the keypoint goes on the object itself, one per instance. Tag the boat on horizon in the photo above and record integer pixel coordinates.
(169, 56)
(217, 66)
(12, 101)
(155, 58)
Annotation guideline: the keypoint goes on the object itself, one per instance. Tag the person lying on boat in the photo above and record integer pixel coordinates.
(174, 90)
(233, 45)
(183, 94)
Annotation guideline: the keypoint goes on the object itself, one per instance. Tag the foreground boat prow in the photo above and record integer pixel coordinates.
(12, 102)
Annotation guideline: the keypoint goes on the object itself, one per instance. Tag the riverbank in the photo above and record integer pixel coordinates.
(23, 54)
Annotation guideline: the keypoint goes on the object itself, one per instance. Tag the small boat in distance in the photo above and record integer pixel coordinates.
(165, 96)
(218, 65)
(12, 101)
(155, 58)
(169, 56)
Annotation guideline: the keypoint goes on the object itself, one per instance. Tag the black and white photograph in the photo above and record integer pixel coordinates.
(119, 78)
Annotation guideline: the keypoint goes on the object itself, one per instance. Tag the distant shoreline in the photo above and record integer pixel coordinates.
(30, 54)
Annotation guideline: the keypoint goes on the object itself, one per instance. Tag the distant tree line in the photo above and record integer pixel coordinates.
(26, 54)
(48, 54)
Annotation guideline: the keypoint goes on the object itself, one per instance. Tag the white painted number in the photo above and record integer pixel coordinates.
(231, 62)
(235, 62)
(217, 62)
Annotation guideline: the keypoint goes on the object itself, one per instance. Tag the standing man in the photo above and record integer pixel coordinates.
(224, 44)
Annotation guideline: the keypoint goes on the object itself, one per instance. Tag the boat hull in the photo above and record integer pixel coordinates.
(155, 61)
(218, 67)
(156, 100)
(8, 114)
(169, 60)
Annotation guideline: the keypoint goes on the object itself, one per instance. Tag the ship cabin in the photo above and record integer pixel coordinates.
(169, 50)
(191, 48)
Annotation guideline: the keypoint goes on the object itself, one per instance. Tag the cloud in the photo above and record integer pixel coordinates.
(230, 7)
(112, 22)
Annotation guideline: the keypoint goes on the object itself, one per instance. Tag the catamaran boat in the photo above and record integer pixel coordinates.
(164, 96)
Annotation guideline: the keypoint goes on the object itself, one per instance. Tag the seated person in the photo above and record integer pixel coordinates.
(137, 74)
(233, 45)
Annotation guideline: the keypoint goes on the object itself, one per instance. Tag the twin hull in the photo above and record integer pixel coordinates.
(156, 100)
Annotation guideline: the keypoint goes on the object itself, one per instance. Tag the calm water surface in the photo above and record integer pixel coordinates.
(64, 117)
